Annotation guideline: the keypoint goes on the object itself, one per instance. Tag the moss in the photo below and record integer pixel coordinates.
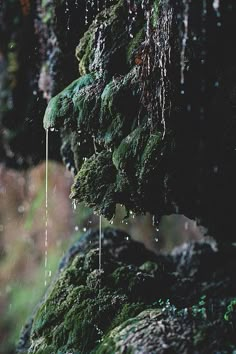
(95, 184)
(149, 267)
(130, 150)
(119, 108)
(100, 115)
(60, 110)
(230, 313)
(134, 46)
(128, 311)
(155, 13)
(118, 336)
(84, 304)
(87, 107)
(92, 54)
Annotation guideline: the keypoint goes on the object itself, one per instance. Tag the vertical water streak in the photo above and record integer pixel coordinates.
(162, 59)
(46, 211)
(216, 7)
(184, 39)
(100, 244)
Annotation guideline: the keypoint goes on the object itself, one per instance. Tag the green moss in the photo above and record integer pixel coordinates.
(155, 13)
(95, 184)
(84, 305)
(60, 110)
(230, 314)
(116, 340)
(128, 311)
(129, 152)
(87, 106)
(91, 57)
(134, 45)
(149, 267)
(102, 119)
(119, 102)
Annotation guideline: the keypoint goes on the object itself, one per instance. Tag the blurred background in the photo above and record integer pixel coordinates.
(22, 238)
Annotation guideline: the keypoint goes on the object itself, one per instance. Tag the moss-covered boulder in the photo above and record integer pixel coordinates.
(137, 302)
(152, 104)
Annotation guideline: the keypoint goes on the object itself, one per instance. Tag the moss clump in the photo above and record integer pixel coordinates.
(133, 50)
(139, 302)
(101, 118)
(95, 184)
(103, 46)
(84, 303)
(61, 111)
(119, 108)
(230, 314)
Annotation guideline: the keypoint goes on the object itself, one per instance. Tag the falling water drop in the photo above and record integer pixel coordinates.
(216, 6)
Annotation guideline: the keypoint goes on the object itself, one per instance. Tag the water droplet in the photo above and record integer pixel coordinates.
(21, 209)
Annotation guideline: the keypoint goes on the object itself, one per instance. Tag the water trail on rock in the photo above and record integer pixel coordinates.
(162, 50)
(46, 212)
(184, 38)
(100, 244)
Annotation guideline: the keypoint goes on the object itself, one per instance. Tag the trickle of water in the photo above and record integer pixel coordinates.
(216, 5)
(67, 11)
(74, 204)
(46, 210)
(184, 38)
(163, 58)
(100, 45)
(132, 15)
(100, 244)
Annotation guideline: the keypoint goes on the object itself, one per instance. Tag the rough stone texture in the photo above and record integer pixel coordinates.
(153, 103)
(37, 60)
(147, 119)
(139, 302)
(153, 87)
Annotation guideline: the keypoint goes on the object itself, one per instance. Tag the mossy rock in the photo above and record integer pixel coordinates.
(139, 302)
(60, 110)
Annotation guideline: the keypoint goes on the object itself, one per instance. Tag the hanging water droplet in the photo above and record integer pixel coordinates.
(74, 204)
(21, 209)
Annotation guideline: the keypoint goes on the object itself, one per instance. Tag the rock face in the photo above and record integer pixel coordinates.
(145, 115)
(139, 302)
(152, 103)
(37, 60)
(143, 96)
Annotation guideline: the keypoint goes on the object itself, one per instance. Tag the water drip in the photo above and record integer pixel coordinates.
(184, 38)
(46, 211)
(100, 244)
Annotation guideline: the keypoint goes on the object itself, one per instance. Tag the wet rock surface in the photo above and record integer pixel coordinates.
(147, 108)
(139, 302)
(151, 96)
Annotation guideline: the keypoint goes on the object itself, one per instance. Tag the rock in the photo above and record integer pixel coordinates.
(139, 302)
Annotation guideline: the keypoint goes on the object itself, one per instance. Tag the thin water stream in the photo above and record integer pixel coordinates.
(100, 244)
(46, 211)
